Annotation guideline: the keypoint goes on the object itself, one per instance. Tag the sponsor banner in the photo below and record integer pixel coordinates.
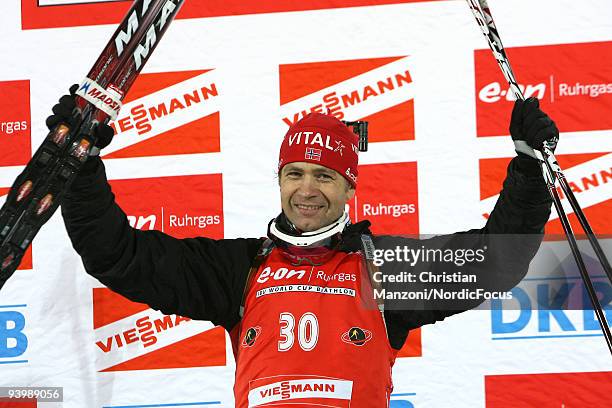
(181, 206)
(378, 90)
(70, 13)
(13, 334)
(549, 390)
(588, 175)
(26, 261)
(168, 113)
(131, 336)
(572, 81)
(300, 389)
(393, 209)
(15, 142)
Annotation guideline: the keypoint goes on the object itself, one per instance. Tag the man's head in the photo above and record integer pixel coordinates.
(317, 171)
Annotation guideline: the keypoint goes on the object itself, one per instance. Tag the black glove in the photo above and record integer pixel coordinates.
(62, 112)
(530, 124)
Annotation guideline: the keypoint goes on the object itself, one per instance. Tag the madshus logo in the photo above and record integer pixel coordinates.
(107, 100)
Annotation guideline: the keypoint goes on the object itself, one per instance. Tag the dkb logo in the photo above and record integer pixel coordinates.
(13, 341)
(552, 306)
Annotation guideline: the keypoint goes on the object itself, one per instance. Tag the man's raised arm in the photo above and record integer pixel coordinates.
(502, 249)
(199, 278)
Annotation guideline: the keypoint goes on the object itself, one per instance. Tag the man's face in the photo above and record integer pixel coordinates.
(313, 196)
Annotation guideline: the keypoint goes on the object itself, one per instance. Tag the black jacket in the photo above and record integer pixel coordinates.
(204, 278)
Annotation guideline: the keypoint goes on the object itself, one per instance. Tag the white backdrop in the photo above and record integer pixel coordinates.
(255, 62)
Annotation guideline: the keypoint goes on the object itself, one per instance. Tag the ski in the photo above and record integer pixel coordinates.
(38, 190)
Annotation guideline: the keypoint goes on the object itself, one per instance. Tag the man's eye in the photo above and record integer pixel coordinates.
(325, 177)
(293, 174)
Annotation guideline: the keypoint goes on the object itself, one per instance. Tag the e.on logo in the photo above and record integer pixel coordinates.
(26, 262)
(69, 13)
(378, 90)
(567, 390)
(578, 96)
(588, 175)
(15, 142)
(168, 113)
(131, 336)
(182, 206)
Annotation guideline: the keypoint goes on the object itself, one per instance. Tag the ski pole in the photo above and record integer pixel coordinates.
(550, 169)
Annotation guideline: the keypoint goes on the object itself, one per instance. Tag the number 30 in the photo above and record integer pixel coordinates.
(308, 331)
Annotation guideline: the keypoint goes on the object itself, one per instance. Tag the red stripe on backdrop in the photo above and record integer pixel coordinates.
(17, 403)
(112, 12)
(548, 390)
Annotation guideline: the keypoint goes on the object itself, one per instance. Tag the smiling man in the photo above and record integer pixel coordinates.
(313, 196)
(306, 329)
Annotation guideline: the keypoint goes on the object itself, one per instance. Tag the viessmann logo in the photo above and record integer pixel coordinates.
(168, 113)
(314, 389)
(378, 90)
(577, 96)
(15, 142)
(182, 206)
(131, 336)
(588, 175)
(68, 13)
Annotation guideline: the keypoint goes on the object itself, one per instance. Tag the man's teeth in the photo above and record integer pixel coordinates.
(308, 207)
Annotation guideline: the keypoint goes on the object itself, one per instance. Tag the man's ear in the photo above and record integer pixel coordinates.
(350, 194)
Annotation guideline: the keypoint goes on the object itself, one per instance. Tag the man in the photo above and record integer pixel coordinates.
(306, 329)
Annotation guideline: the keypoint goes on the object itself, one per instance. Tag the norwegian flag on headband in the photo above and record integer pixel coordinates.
(312, 154)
